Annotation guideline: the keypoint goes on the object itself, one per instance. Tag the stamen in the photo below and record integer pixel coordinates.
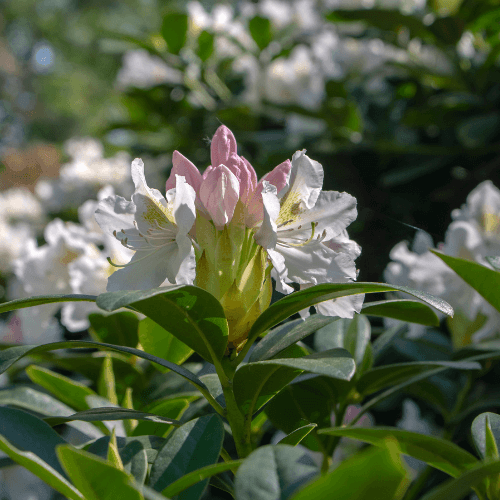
(285, 223)
(132, 263)
(313, 225)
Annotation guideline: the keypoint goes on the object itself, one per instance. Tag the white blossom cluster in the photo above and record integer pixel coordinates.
(72, 258)
(474, 234)
(322, 50)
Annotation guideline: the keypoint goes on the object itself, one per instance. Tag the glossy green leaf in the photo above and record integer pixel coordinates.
(407, 310)
(479, 432)
(382, 343)
(110, 413)
(295, 302)
(66, 390)
(256, 383)
(198, 475)
(283, 336)
(27, 398)
(385, 376)
(119, 328)
(456, 489)
(9, 356)
(189, 313)
(439, 453)
(150, 444)
(296, 436)
(260, 30)
(170, 408)
(353, 335)
(174, 30)
(29, 433)
(44, 299)
(156, 340)
(484, 280)
(96, 478)
(375, 474)
(40, 468)
(274, 473)
(192, 446)
(301, 404)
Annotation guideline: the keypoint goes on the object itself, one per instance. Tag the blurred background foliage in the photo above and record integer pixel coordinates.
(399, 100)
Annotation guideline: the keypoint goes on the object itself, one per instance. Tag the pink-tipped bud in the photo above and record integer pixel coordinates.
(182, 166)
(219, 193)
(222, 147)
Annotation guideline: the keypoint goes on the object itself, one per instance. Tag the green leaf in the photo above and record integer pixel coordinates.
(44, 299)
(119, 328)
(66, 390)
(301, 404)
(256, 383)
(96, 478)
(156, 340)
(189, 313)
(377, 474)
(283, 336)
(106, 382)
(274, 473)
(384, 376)
(199, 475)
(174, 31)
(192, 446)
(28, 433)
(110, 413)
(150, 444)
(351, 334)
(380, 345)
(28, 398)
(295, 302)
(260, 29)
(485, 281)
(407, 310)
(170, 408)
(42, 469)
(205, 45)
(439, 453)
(484, 424)
(295, 437)
(9, 356)
(456, 489)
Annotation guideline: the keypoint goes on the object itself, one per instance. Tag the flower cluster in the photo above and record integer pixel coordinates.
(229, 233)
(474, 235)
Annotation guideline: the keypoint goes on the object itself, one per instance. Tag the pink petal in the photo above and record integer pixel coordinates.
(182, 166)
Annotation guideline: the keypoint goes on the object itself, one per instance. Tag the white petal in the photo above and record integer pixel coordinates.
(183, 261)
(115, 213)
(279, 271)
(184, 205)
(148, 273)
(343, 307)
(267, 236)
(306, 180)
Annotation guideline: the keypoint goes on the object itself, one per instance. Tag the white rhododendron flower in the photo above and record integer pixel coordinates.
(227, 232)
(474, 235)
(156, 229)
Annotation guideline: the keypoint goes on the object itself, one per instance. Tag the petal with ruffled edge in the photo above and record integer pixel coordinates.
(266, 236)
(115, 213)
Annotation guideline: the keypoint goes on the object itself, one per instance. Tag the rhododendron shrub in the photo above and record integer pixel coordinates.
(192, 358)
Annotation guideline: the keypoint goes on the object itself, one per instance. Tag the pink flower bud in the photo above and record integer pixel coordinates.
(219, 193)
(182, 166)
(222, 147)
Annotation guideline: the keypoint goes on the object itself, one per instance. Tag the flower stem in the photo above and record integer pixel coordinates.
(237, 422)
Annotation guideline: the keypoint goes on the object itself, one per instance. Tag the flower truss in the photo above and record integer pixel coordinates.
(229, 233)
(474, 235)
